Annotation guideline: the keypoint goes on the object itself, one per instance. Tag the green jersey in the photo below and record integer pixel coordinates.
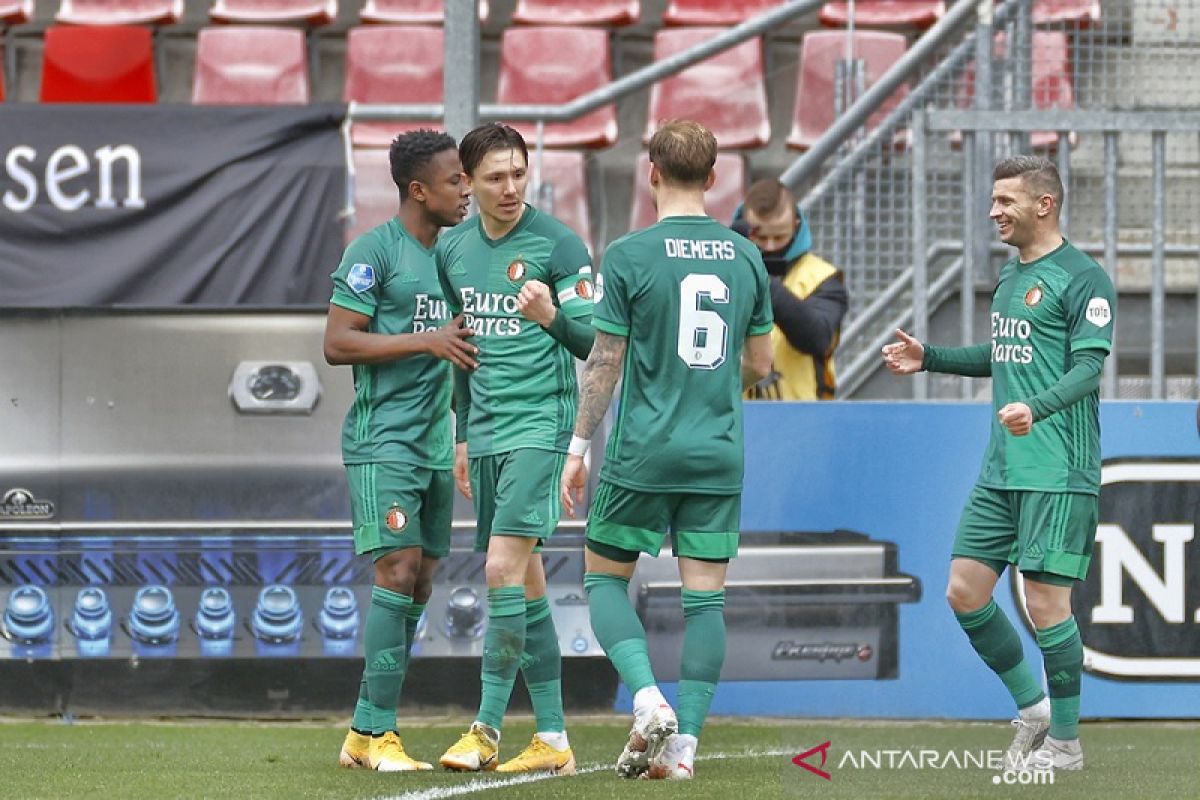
(401, 410)
(1042, 312)
(523, 392)
(685, 293)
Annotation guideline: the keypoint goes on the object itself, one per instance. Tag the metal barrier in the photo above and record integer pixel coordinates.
(861, 207)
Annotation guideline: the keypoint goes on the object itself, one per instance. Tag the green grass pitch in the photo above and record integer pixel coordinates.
(739, 760)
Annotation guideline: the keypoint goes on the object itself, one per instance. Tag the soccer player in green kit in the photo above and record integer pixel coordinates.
(684, 311)
(1035, 504)
(523, 280)
(388, 319)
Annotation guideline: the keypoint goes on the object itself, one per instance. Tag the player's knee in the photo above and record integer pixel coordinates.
(397, 573)
(1044, 609)
(422, 589)
(963, 598)
(503, 571)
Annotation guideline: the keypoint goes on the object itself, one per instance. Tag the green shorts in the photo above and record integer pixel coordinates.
(701, 525)
(400, 505)
(1048, 532)
(516, 494)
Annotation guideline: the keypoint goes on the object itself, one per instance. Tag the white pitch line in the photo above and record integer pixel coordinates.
(483, 784)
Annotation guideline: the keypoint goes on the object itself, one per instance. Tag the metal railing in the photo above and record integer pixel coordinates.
(462, 85)
(1147, 233)
(1112, 125)
(610, 92)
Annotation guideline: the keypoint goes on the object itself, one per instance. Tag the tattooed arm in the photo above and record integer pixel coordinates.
(600, 376)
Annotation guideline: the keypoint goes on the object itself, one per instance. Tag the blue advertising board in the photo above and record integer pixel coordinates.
(901, 472)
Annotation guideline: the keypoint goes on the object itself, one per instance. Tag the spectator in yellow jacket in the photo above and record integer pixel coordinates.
(807, 293)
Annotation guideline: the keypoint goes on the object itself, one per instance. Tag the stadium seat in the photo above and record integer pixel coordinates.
(725, 92)
(250, 66)
(814, 111)
(392, 64)
(1052, 85)
(270, 12)
(564, 190)
(1078, 12)
(15, 12)
(614, 13)
(376, 199)
(121, 12)
(111, 64)
(554, 65)
(714, 12)
(411, 12)
(720, 201)
(884, 13)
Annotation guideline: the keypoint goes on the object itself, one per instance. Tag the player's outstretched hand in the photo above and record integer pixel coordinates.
(462, 477)
(535, 304)
(574, 476)
(1017, 417)
(905, 356)
(449, 342)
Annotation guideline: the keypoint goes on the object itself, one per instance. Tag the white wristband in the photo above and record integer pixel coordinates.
(578, 446)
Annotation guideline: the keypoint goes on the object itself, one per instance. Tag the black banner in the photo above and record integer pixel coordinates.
(169, 205)
(1139, 609)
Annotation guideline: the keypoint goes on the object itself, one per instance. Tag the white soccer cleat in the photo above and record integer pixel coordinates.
(676, 762)
(1031, 732)
(647, 739)
(1056, 754)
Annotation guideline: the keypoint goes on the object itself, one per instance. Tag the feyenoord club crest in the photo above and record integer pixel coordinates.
(583, 288)
(1033, 296)
(396, 519)
(516, 270)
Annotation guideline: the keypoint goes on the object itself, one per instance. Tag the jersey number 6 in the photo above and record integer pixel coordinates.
(703, 335)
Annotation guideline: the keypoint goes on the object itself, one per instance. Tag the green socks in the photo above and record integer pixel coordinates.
(410, 626)
(363, 719)
(503, 645)
(1062, 651)
(364, 716)
(385, 648)
(618, 629)
(998, 644)
(702, 657)
(541, 666)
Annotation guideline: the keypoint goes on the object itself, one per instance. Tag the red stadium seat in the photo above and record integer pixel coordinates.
(250, 66)
(113, 64)
(725, 92)
(121, 12)
(884, 13)
(720, 201)
(270, 12)
(411, 12)
(392, 64)
(714, 12)
(1052, 85)
(554, 65)
(563, 190)
(1078, 12)
(15, 12)
(614, 13)
(376, 199)
(821, 50)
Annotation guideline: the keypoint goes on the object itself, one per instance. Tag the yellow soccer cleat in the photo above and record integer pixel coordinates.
(387, 755)
(354, 750)
(478, 749)
(541, 757)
